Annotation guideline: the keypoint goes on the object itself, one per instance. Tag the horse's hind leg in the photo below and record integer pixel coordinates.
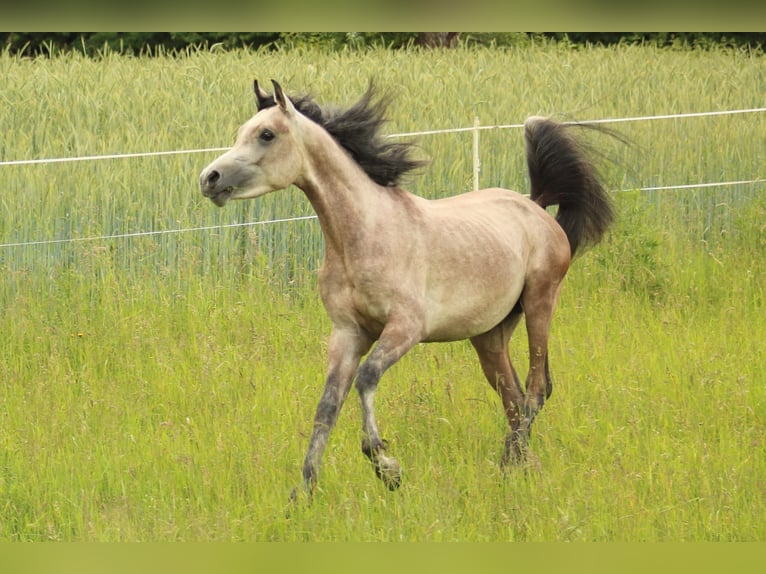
(492, 348)
(539, 305)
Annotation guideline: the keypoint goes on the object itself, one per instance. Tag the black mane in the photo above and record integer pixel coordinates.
(357, 130)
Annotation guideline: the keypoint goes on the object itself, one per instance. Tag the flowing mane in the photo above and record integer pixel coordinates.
(358, 130)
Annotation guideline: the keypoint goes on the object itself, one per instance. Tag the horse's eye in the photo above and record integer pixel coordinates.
(266, 136)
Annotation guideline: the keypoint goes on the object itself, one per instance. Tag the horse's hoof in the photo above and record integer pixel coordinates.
(388, 470)
(298, 494)
(300, 497)
(292, 501)
(304, 492)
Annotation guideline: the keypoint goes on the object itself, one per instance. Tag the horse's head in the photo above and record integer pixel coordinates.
(265, 156)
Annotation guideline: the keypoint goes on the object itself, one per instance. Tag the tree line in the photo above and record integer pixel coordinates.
(149, 43)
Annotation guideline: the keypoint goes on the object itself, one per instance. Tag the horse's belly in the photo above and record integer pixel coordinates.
(469, 313)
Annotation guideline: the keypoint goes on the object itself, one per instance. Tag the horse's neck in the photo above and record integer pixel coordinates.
(346, 201)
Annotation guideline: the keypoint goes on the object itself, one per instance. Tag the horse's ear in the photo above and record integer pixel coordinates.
(283, 101)
(262, 98)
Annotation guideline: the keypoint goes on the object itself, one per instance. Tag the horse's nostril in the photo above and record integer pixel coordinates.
(212, 178)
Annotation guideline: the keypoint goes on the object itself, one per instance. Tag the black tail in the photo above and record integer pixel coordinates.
(562, 174)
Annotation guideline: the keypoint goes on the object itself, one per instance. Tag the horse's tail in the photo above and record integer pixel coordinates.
(562, 174)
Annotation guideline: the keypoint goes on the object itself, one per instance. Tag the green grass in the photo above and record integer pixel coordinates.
(163, 387)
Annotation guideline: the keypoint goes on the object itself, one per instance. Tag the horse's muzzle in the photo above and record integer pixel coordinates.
(208, 183)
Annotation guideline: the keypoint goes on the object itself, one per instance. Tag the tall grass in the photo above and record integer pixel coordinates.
(163, 387)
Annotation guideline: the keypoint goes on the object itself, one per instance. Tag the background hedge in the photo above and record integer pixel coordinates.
(49, 43)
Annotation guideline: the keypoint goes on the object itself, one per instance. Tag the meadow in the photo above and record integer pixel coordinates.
(162, 387)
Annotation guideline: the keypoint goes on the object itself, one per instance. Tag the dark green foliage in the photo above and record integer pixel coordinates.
(50, 43)
(663, 39)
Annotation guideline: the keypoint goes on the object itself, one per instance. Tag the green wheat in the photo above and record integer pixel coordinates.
(163, 387)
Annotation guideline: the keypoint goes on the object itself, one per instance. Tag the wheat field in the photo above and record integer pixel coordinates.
(161, 387)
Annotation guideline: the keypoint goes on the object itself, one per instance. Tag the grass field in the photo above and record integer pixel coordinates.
(163, 387)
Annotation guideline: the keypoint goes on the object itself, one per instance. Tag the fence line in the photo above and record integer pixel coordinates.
(158, 232)
(310, 217)
(108, 156)
(698, 185)
(476, 128)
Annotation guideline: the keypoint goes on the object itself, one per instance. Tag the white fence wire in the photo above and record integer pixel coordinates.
(476, 129)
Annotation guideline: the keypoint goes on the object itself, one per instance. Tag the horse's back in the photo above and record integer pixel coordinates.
(511, 215)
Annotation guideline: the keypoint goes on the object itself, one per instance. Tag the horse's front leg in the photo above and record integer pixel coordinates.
(395, 340)
(345, 349)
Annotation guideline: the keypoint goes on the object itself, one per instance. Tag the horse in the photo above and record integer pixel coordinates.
(400, 269)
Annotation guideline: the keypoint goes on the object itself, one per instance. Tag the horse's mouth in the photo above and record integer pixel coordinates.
(222, 196)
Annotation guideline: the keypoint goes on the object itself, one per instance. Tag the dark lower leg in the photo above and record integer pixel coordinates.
(373, 446)
(539, 305)
(344, 352)
(538, 383)
(393, 344)
(492, 349)
(326, 415)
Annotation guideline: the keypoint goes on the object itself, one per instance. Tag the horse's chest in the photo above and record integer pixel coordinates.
(362, 299)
